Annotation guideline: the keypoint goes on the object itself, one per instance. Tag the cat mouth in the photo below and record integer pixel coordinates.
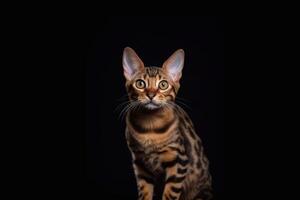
(152, 105)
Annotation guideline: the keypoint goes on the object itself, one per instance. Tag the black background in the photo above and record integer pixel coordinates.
(106, 162)
(61, 132)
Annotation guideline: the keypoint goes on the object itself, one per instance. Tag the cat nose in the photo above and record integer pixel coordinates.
(151, 95)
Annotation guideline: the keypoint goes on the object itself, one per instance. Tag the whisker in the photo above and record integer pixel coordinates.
(184, 104)
(128, 108)
(122, 97)
(183, 99)
(124, 110)
(177, 107)
(120, 105)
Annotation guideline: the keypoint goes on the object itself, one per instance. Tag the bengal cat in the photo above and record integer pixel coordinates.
(168, 158)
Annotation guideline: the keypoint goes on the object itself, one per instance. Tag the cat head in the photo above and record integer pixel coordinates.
(152, 87)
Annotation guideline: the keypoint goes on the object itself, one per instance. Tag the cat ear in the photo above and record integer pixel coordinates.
(131, 63)
(173, 66)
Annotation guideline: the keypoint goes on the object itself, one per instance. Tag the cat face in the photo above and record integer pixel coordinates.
(152, 87)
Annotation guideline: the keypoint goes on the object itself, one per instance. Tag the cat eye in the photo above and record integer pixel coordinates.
(163, 85)
(140, 84)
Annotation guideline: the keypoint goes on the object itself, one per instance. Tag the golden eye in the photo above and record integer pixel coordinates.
(163, 85)
(140, 84)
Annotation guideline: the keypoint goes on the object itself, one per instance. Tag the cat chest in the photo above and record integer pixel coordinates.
(152, 162)
(147, 153)
(154, 157)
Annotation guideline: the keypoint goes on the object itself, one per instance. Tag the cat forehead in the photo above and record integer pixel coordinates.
(153, 72)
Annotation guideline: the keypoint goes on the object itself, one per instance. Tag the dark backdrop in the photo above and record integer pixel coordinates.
(106, 161)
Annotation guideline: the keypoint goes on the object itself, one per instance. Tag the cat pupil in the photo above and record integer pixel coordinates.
(140, 84)
(163, 85)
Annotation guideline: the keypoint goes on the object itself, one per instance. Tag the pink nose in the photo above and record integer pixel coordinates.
(151, 95)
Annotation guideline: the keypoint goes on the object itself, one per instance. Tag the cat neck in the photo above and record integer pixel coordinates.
(144, 120)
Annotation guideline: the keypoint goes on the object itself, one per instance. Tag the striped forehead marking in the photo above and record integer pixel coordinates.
(152, 71)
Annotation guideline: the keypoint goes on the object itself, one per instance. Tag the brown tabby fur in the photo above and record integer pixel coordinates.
(168, 156)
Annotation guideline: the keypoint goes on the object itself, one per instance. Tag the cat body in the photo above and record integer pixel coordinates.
(168, 156)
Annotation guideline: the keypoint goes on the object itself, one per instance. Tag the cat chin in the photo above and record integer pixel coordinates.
(152, 106)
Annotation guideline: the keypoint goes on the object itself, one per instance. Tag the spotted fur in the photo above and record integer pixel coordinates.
(168, 156)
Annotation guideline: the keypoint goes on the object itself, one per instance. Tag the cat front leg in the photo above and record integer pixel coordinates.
(145, 189)
(144, 180)
(175, 175)
(173, 184)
